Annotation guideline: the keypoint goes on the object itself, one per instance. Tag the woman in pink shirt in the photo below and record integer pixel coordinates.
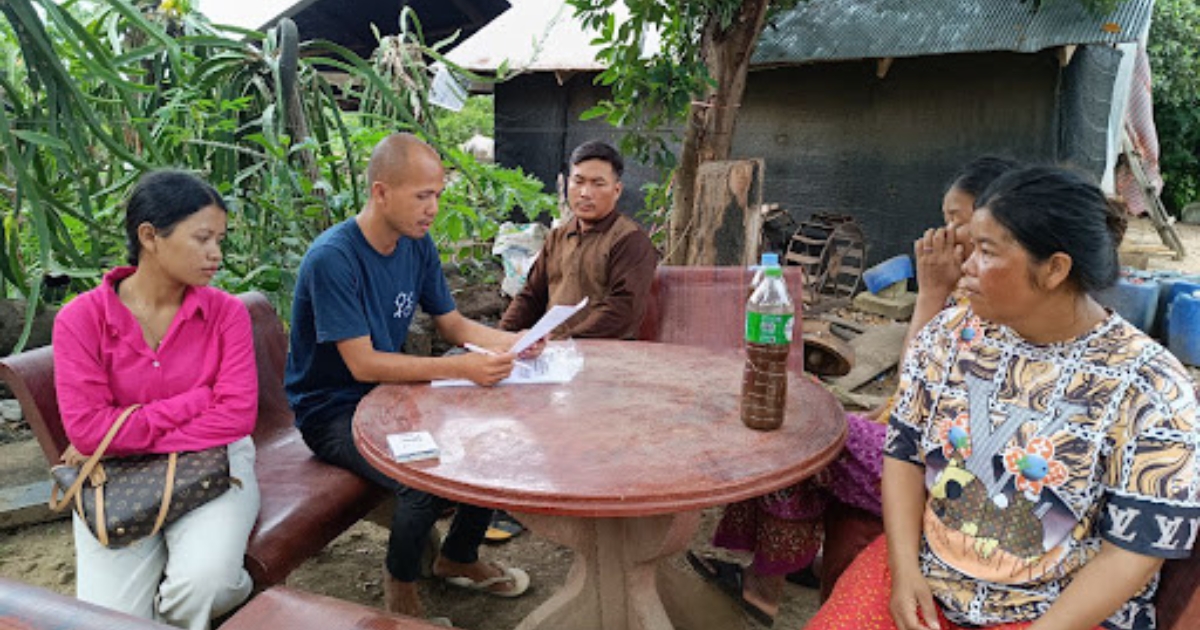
(156, 334)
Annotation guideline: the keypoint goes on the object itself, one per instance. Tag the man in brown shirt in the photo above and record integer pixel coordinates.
(599, 253)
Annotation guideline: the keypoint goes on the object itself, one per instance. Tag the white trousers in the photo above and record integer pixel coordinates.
(189, 572)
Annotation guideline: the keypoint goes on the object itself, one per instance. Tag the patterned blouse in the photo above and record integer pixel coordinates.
(1034, 454)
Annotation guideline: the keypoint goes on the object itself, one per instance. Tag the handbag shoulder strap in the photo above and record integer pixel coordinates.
(86, 470)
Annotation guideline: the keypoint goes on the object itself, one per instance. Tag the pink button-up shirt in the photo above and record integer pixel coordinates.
(198, 390)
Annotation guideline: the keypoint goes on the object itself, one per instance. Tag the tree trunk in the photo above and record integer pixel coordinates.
(709, 134)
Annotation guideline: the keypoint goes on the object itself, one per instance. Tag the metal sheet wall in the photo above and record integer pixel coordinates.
(835, 137)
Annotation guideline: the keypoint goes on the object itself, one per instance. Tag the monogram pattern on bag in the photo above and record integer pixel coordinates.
(133, 491)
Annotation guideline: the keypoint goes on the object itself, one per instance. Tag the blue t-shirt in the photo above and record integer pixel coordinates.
(347, 289)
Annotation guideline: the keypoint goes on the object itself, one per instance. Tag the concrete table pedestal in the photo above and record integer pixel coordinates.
(619, 579)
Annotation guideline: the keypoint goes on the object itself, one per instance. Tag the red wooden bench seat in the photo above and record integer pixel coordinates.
(25, 607)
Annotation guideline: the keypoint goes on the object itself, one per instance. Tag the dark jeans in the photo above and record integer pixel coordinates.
(416, 511)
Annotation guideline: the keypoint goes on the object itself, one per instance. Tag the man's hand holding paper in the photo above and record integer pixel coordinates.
(546, 325)
(528, 348)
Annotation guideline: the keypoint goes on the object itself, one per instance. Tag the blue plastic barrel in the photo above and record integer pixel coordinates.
(1135, 299)
(888, 272)
(1166, 283)
(1169, 289)
(1184, 336)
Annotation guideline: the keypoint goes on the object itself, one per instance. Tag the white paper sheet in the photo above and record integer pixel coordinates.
(559, 363)
(551, 320)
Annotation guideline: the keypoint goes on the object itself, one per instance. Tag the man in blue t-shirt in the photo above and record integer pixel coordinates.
(356, 292)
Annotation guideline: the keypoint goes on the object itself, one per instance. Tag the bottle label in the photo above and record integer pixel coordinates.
(772, 329)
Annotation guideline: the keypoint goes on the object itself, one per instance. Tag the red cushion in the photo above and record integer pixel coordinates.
(282, 607)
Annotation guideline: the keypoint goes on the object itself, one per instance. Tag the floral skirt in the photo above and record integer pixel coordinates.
(784, 529)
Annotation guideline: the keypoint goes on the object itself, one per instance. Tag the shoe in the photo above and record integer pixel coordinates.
(518, 577)
(503, 528)
(729, 577)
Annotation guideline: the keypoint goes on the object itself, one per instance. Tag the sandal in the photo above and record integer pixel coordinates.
(518, 578)
(729, 577)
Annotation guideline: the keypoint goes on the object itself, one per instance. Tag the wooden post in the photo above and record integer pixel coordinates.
(753, 234)
(727, 222)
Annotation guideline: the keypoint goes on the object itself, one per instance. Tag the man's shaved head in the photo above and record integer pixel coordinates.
(392, 156)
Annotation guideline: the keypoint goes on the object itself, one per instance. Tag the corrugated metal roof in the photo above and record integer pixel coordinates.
(544, 35)
(826, 30)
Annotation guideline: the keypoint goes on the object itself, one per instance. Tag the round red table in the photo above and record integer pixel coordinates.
(616, 464)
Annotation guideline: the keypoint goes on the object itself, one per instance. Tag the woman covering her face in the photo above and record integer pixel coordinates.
(154, 333)
(1041, 460)
(940, 252)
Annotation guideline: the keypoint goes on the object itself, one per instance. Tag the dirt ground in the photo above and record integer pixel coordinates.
(350, 567)
(1141, 234)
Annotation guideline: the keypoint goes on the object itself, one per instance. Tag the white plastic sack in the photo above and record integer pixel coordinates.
(446, 91)
(518, 245)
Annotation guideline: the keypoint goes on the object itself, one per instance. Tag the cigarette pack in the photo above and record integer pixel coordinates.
(412, 446)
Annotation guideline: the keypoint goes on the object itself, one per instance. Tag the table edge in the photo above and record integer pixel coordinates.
(411, 475)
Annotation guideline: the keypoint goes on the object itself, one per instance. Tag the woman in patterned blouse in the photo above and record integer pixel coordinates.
(1041, 460)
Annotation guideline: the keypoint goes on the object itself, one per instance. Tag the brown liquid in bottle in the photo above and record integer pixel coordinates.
(764, 385)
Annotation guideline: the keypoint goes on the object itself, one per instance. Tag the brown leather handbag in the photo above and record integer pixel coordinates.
(125, 499)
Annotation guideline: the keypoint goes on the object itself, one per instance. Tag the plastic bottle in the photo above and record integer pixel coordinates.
(769, 259)
(770, 316)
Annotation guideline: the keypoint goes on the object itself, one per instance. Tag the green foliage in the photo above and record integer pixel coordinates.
(94, 94)
(649, 94)
(476, 117)
(472, 212)
(1174, 50)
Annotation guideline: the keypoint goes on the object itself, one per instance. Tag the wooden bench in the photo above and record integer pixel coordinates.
(25, 607)
(706, 306)
(305, 502)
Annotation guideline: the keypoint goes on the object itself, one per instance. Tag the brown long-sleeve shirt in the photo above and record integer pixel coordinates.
(612, 264)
